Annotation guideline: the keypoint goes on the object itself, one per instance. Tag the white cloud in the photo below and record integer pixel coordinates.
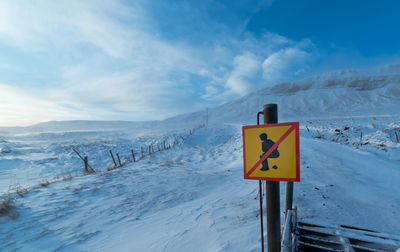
(210, 92)
(263, 61)
(242, 78)
(288, 61)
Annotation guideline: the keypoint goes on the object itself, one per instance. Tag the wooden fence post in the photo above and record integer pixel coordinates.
(119, 160)
(89, 168)
(85, 160)
(115, 163)
(133, 155)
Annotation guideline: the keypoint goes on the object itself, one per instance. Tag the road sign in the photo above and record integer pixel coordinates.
(272, 152)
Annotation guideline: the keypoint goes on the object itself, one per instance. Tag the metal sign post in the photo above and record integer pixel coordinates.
(271, 152)
(270, 112)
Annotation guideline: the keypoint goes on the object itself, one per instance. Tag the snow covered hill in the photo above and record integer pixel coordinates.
(192, 196)
(324, 96)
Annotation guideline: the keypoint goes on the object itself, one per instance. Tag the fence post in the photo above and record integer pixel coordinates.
(270, 112)
(115, 163)
(119, 160)
(133, 155)
(87, 165)
(85, 160)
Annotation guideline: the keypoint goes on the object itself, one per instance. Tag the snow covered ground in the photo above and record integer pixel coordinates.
(193, 197)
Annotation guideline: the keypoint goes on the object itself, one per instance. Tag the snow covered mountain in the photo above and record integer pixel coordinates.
(331, 95)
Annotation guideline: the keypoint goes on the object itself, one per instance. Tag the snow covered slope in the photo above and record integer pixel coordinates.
(317, 97)
(192, 197)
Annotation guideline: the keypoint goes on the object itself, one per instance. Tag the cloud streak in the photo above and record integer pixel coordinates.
(113, 60)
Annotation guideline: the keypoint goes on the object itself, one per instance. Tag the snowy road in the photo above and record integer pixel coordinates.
(342, 185)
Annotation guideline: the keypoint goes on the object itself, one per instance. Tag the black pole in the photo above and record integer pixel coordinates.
(272, 191)
(115, 163)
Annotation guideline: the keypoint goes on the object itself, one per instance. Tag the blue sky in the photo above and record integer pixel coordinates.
(145, 60)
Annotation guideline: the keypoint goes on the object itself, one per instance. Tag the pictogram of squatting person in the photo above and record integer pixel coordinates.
(266, 145)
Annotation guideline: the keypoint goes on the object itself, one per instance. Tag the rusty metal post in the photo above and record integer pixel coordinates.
(270, 112)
